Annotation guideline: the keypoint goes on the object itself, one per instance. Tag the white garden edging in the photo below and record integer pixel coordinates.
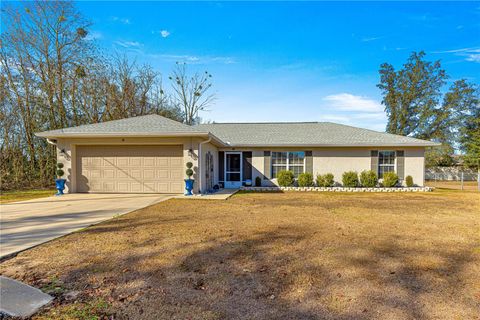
(339, 189)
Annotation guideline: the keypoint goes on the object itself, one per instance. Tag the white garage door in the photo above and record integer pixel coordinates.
(135, 169)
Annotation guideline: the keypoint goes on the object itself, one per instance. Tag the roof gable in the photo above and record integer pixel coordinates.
(141, 125)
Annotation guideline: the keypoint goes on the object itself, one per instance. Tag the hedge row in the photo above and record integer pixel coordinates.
(350, 179)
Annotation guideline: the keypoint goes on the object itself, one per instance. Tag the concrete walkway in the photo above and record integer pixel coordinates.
(20, 300)
(222, 194)
(29, 223)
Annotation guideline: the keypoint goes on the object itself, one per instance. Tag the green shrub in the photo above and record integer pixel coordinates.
(350, 179)
(368, 178)
(325, 180)
(305, 180)
(258, 182)
(189, 171)
(59, 171)
(285, 178)
(390, 179)
(409, 181)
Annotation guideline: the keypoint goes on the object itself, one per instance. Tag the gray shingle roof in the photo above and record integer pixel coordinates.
(305, 134)
(243, 134)
(142, 125)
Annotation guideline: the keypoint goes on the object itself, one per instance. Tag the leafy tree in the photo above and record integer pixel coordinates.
(460, 108)
(414, 104)
(439, 156)
(470, 139)
(411, 95)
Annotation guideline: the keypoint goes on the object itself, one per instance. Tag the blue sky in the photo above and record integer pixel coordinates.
(291, 61)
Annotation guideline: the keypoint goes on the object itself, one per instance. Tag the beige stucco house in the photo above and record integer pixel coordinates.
(148, 154)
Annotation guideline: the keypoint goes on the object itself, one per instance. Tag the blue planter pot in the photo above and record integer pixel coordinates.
(60, 184)
(189, 187)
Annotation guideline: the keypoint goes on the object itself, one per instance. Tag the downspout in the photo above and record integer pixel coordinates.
(200, 157)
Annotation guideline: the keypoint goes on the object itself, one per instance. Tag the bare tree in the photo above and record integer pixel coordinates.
(191, 93)
(53, 77)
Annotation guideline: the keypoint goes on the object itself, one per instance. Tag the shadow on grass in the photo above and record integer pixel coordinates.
(280, 274)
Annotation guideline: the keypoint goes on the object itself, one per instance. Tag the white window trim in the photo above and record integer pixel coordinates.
(386, 165)
(288, 161)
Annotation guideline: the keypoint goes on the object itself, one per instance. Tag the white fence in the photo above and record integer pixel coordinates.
(450, 173)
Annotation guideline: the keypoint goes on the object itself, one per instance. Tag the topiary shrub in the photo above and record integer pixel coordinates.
(189, 171)
(368, 178)
(390, 179)
(258, 182)
(305, 180)
(285, 178)
(325, 180)
(59, 170)
(350, 179)
(409, 181)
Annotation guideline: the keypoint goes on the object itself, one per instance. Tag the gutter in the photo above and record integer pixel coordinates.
(50, 136)
(358, 145)
(200, 157)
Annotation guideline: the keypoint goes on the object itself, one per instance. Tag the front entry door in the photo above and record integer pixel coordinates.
(233, 170)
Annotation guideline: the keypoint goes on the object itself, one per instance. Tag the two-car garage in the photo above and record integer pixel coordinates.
(129, 168)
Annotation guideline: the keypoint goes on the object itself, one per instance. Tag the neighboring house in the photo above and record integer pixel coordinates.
(149, 153)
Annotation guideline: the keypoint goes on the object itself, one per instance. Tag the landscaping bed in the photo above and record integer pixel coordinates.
(339, 189)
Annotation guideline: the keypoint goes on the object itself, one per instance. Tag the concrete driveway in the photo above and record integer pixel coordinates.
(29, 223)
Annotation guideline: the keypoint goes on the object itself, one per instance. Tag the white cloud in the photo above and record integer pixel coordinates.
(470, 54)
(164, 33)
(122, 20)
(368, 39)
(474, 57)
(350, 102)
(194, 59)
(128, 44)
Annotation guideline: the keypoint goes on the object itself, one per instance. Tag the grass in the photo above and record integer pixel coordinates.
(270, 256)
(453, 185)
(21, 195)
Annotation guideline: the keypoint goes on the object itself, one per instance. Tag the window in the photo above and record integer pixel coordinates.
(386, 162)
(293, 161)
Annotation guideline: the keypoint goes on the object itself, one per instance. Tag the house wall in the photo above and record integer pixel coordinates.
(341, 159)
(325, 160)
(66, 153)
(415, 165)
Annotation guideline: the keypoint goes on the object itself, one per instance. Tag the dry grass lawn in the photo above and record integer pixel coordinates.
(269, 256)
(455, 185)
(21, 195)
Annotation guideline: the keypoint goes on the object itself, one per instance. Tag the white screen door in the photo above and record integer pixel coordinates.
(233, 169)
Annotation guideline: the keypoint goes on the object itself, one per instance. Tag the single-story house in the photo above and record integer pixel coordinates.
(148, 154)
